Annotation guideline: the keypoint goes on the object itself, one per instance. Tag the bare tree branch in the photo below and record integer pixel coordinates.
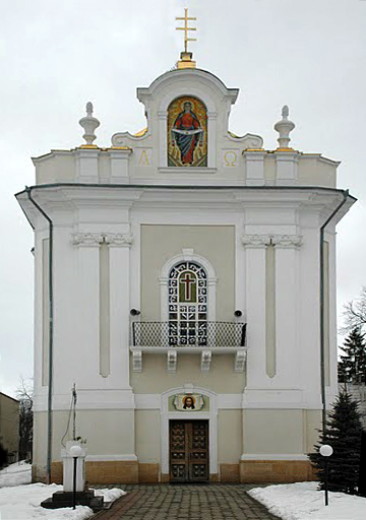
(355, 313)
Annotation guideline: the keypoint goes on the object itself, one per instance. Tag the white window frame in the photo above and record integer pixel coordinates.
(188, 255)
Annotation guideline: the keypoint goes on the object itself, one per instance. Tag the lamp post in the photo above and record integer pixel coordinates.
(326, 451)
(75, 451)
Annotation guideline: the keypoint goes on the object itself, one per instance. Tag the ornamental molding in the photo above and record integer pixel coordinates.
(253, 241)
(97, 239)
(287, 241)
(206, 357)
(281, 241)
(171, 361)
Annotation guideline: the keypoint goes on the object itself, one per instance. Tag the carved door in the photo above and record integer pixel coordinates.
(189, 461)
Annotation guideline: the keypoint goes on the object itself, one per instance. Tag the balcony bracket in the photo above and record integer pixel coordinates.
(172, 361)
(206, 360)
(240, 359)
(137, 361)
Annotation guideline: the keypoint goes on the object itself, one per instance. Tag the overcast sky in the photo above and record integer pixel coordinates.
(56, 56)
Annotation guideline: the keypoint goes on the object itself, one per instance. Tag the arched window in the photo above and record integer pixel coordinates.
(188, 304)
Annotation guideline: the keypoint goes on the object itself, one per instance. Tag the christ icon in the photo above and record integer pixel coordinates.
(186, 133)
(188, 402)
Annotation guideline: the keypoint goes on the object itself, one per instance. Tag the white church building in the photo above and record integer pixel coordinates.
(185, 282)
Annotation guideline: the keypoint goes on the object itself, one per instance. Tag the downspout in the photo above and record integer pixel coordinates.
(50, 328)
(345, 194)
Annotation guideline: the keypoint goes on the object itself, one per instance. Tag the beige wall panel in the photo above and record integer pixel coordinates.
(160, 243)
(273, 431)
(313, 420)
(112, 433)
(9, 423)
(155, 379)
(230, 435)
(147, 424)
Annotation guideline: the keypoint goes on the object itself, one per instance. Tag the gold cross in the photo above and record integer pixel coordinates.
(186, 28)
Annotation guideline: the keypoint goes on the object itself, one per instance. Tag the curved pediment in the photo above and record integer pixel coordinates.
(173, 81)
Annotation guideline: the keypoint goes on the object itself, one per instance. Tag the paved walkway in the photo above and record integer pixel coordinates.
(186, 502)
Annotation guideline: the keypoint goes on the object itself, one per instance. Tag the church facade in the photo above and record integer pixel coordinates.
(177, 284)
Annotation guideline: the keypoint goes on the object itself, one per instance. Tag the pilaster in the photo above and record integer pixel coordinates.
(255, 251)
(211, 131)
(287, 315)
(119, 251)
(272, 306)
(162, 133)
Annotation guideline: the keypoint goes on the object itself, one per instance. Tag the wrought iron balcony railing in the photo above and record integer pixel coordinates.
(188, 334)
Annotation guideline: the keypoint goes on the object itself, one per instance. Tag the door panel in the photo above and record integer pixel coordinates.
(189, 461)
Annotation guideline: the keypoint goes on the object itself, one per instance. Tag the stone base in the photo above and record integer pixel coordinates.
(132, 472)
(229, 473)
(101, 472)
(112, 472)
(276, 471)
(82, 498)
(148, 473)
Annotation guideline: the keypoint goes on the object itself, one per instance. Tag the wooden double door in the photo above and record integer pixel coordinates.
(188, 451)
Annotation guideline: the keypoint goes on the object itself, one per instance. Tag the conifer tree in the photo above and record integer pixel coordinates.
(343, 433)
(352, 366)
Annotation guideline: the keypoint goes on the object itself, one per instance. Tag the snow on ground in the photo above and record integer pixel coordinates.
(302, 501)
(20, 500)
(16, 474)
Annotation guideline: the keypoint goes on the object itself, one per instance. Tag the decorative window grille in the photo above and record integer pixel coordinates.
(187, 304)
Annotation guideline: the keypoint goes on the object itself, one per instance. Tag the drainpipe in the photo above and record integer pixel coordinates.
(345, 194)
(50, 328)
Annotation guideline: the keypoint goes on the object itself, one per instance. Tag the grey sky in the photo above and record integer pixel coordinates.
(56, 56)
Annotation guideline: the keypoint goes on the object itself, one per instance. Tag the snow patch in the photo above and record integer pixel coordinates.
(22, 502)
(303, 501)
(16, 474)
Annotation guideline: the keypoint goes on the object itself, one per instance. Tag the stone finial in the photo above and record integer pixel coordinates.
(89, 124)
(285, 112)
(284, 127)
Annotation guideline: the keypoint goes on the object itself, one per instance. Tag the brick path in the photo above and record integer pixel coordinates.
(186, 502)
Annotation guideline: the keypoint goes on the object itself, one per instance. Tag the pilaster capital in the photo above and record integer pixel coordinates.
(87, 239)
(278, 240)
(118, 239)
(96, 239)
(287, 241)
(255, 241)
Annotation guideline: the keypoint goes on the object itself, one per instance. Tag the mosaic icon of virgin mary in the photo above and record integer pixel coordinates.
(187, 132)
(187, 139)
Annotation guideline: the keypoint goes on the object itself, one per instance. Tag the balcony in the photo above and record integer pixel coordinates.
(205, 338)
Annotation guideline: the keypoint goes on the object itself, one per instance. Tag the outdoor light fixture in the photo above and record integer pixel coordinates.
(238, 314)
(135, 312)
(326, 451)
(75, 452)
